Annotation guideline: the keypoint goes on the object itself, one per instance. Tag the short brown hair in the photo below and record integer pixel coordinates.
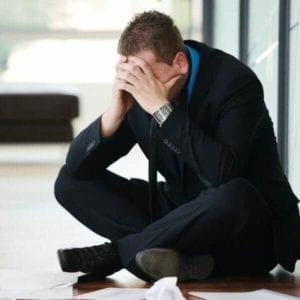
(155, 31)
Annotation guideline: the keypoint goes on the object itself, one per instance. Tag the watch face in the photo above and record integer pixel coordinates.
(162, 114)
(159, 115)
(165, 110)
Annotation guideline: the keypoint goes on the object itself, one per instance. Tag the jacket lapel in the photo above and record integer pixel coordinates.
(203, 79)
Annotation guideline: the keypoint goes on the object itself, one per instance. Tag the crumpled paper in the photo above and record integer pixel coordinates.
(164, 289)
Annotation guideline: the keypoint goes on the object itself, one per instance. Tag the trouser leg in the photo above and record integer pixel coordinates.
(109, 205)
(231, 222)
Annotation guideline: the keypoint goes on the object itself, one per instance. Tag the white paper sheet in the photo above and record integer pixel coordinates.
(255, 295)
(55, 293)
(163, 289)
(115, 294)
(33, 280)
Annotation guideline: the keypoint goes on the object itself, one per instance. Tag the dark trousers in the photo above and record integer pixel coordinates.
(231, 222)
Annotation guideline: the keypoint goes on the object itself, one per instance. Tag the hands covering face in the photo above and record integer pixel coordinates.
(136, 77)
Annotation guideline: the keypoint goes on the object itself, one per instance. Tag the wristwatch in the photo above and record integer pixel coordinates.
(163, 113)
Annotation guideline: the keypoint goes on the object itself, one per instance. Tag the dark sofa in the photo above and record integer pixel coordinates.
(37, 117)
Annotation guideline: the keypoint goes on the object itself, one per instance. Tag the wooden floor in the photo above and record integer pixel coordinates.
(278, 280)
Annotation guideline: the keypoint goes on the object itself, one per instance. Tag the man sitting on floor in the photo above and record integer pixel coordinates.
(198, 114)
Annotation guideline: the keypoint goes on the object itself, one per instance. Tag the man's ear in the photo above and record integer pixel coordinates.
(181, 63)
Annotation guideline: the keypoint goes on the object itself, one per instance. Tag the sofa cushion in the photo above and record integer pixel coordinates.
(38, 106)
(35, 132)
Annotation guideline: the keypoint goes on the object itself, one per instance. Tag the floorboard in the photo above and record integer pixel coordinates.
(278, 280)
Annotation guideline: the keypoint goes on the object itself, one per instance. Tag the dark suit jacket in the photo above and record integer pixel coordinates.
(224, 133)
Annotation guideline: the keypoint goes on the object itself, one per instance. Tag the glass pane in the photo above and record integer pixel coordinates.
(226, 26)
(263, 48)
(61, 61)
(58, 41)
(92, 15)
(50, 44)
(294, 105)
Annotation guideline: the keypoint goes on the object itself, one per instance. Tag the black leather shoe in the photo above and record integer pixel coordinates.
(102, 260)
(160, 262)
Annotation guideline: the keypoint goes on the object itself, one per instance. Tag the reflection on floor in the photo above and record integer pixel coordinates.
(33, 224)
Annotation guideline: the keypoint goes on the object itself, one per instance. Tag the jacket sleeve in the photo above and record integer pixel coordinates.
(220, 156)
(90, 153)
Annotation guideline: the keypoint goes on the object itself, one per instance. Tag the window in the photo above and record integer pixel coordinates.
(71, 42)
(226, 26)
(294, 105)
(262, 54)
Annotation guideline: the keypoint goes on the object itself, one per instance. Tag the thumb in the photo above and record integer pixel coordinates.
(169, 84)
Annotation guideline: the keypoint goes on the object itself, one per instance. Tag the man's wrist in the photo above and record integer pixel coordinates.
(110, 123)
(162, 114)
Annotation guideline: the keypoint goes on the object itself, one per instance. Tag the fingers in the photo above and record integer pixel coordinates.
(125, 86)
(122, 59)
(131, 68)
(126, 72)
(136, 66)
(146, 69)
(169, 84)
(126, 76)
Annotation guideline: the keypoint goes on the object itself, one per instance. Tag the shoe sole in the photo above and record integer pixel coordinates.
(160, 262)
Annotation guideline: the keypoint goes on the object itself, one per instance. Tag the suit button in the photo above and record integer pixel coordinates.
(175, 149)
(166, 141)
(91, 145)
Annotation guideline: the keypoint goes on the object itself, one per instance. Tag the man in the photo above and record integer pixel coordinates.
(198, 114)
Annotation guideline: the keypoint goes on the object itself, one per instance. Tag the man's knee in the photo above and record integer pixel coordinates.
(238, 191)
(235, 199)
(241, 184)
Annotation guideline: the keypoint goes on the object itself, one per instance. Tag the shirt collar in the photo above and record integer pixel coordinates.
(194, 60)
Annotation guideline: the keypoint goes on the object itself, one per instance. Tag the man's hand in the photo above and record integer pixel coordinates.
(136, 77)
(121, 102)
